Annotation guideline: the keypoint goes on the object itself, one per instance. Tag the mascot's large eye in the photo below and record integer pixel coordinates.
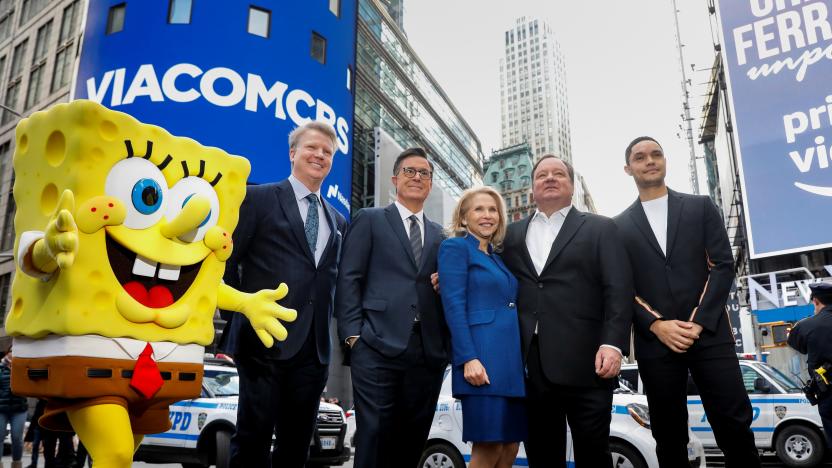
(183, 191)
(143, 189)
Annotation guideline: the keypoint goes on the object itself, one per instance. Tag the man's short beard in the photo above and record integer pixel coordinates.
(642, 183)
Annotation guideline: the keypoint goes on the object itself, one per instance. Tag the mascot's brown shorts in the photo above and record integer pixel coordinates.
(73, 382)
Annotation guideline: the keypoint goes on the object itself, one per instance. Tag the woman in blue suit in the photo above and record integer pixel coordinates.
(479, 295)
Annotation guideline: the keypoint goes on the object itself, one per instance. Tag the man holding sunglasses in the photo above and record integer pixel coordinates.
(391, 318)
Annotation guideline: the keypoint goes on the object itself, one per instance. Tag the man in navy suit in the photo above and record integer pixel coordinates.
(288, 233)
(390, 316)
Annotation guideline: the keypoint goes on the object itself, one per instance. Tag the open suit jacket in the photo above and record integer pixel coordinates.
(581, 300)
(380, 286)
(691, 282)
(270, 247)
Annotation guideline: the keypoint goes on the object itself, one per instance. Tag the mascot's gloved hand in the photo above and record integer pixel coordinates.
(261, 310)
(59, 245)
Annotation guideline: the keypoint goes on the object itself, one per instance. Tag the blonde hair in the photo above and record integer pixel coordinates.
(323, 127)
(464, 205)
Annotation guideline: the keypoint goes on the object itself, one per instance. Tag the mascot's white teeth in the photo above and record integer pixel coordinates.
(144, 266)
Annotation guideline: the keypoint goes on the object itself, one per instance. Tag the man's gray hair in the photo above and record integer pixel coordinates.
(323, 127)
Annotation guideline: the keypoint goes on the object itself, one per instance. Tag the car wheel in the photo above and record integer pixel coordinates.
(799, 446)
(441, 455)
(624, 456)
(223, 453)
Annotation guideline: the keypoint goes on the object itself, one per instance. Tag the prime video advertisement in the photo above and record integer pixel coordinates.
(778, 56)
(210, 79)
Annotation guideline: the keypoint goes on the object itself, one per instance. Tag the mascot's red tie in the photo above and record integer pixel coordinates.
(146, 377)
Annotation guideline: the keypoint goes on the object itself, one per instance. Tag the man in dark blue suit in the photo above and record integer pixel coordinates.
(287, 233)
(390, 316)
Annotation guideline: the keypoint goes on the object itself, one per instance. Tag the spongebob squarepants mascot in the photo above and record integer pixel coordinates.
(123, 231)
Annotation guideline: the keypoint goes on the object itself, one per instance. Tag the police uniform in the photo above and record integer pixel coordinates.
(813, 336)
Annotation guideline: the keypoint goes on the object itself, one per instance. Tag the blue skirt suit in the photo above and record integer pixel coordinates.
(479, 295)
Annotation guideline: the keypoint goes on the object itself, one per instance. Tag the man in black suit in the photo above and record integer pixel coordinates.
(390, 316)
(683, 271)
(574, 302)
(287, 232)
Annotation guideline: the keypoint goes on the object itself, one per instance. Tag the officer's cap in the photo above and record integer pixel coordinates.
(822, 291)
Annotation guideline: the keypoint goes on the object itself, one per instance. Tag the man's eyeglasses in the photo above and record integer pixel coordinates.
(410, 173)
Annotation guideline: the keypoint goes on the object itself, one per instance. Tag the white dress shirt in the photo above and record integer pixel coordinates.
(405, 214)
(656, 211)
(543, 230)
(301, 192)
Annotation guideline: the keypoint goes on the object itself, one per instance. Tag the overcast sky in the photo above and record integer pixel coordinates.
(623, 75)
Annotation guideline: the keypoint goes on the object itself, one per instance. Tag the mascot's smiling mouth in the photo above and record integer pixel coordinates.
(149, 283)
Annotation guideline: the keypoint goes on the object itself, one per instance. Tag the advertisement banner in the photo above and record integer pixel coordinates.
(732, 307)
(229, 74)
(778, 61)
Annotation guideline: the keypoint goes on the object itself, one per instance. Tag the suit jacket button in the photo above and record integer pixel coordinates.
(540, 285)
(310, 301)
(413, 306)
(667, 267)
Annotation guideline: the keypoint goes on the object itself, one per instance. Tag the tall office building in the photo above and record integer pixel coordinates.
(533, 101)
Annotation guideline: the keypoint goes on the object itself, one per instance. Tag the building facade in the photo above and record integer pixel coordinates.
(533, 99)
(394, 91)
(38, 44)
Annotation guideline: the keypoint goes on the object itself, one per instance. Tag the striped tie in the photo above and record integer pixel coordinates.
(415, 239)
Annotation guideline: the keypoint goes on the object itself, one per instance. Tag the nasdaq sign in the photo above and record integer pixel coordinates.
(778, 59)
(211, 80)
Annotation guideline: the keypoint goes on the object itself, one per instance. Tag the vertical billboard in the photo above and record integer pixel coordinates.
(778, 60)
(236, 75)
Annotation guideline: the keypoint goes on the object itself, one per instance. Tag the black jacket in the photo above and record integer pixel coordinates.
(580, 300)
(269, 248)
(691, 282)
(9, 402)
(813, 336)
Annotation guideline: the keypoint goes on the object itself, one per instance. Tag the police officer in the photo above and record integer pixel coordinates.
(813, 336)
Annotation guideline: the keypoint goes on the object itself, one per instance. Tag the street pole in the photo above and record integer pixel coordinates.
(694, 176)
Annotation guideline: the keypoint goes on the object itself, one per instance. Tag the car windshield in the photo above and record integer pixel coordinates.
(781, 378)
(222, 383)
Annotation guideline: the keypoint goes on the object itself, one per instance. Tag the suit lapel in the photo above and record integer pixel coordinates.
(674, 213)
(639, 218)
(571, 224)
(395, 220)
(431, 234)
(289, 203)
(333, 228)
(527, 258)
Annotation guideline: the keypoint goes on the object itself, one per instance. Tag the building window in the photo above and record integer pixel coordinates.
(259, 21)
(33, 94)
(30, 8)
(5, 24)
(7, 241)
(335, 7)
(15, 80)
(495, 176)
(179, 11)
(5, 283)
(115, 18)
(318, 47)
(61, 73)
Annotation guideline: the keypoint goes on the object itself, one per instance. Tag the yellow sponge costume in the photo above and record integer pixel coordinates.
(123, 231)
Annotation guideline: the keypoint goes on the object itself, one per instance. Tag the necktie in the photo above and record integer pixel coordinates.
(311, 227)
(415, 239)
(146, 377)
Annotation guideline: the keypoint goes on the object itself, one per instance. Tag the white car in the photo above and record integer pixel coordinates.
(784, 421)
(631, 442)
(201, 429)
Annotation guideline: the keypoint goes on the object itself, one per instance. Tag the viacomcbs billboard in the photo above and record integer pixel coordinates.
(209, 78)
(778, 57)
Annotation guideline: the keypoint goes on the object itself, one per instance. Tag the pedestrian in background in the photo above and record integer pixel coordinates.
(13, 411)
(479, 295)
(813, 336)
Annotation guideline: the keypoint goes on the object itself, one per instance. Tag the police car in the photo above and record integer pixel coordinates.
(784, 421)
(201, 429)
(631, 442)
